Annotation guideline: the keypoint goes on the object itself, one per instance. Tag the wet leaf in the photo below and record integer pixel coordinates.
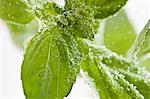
(105, 85)
(101, 8)
(140, 80)
(141, 46)
(105, 8)
(111, 73)
(54, 55)
(15, 11)
(119, 34)
(50, 66)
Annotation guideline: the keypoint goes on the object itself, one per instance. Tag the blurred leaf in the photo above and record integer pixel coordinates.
(119, 34)
(15, 11)
(20, 33)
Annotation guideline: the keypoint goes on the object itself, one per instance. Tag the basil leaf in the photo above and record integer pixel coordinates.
(15, 11)
(142, 51)
(132, 73)
(105, 8)
(50, 66)
(141, 46)
(101, 8)
(134, 80)
(20, 33)
(141, 82)
(43, 9)
(110, 83)
(119, 33)
(106, 87)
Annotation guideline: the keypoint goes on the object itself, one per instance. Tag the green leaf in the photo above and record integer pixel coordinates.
(141, 81)
(141, 46)
(110, 83)
(119, 34)
(15, 11)
(111, 73)
(105, 85)
(45, 10)
(106, 8)
(20, 33)
(50, 66)
(102, 8)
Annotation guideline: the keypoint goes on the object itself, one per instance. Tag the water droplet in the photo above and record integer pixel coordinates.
(128, 89)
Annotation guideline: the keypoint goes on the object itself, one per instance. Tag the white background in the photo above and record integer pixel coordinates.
(11, 57)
